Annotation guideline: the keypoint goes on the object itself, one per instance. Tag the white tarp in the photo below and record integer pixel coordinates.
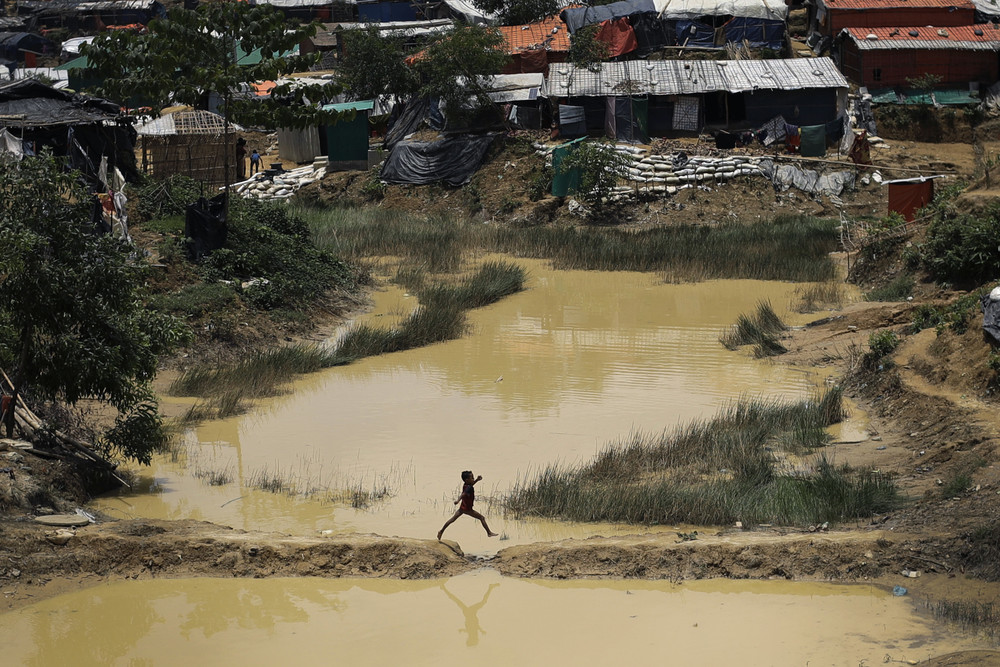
(785, 176)
(71, 47)
(517, 87)
(11, 144)
(298, 145)
(772, 10)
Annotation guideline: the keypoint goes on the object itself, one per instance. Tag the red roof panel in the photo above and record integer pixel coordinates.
(890, 4)
(963, 33)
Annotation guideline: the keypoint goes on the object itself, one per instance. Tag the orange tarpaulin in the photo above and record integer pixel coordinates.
(264, 87)
(618, 35)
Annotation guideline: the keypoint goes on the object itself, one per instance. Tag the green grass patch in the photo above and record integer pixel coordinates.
(171, 224)
(897, 289)
(716, 471)
(759, 329)
(195, 300)
(260, 374)
(785, 248)
(829, 294)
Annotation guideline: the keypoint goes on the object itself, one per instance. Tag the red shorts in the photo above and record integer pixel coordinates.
(465, 509)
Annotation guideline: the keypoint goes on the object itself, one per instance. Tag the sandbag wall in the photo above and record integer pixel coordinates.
(666, 174)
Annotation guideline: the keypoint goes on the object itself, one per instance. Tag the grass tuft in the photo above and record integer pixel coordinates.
(760, 329)
(729, 468)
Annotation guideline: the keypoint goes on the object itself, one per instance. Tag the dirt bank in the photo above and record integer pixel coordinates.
(32, 557)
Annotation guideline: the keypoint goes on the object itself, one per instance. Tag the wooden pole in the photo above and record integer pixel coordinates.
(852, 164)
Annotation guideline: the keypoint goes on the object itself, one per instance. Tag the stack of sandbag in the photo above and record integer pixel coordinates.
(281, 185)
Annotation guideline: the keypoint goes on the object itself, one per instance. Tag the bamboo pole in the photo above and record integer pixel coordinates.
(853, 164)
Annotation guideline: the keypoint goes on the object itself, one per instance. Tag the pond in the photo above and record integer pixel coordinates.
(479, 618)
(546, 376)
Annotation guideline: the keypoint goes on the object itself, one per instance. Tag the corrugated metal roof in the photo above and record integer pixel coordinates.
(958, 38)
(892, 4)
(691, 77)
(550, 34)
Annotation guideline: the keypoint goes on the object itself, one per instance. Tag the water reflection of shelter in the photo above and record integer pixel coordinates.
(472, 628)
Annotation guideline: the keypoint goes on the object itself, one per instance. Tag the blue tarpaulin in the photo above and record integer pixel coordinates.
(579, 17)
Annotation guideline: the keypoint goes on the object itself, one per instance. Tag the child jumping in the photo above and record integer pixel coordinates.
(467, 498)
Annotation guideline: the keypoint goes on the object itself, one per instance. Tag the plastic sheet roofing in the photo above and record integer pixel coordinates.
(982, 37)
(772, 10)
(692, 77)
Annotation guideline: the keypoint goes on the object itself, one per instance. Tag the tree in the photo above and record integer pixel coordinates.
(454, 67)
(458, 66)
(191, 53)
(518, 12)
(585, 50)
(74, 325)
(374, 65)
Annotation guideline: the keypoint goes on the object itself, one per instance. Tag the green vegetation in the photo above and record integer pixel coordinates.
(190, 53)
(883, 342)
(787, 248)
(718, 471)
(955, 315)
(267, 243)
(518, 12)
(897, 289)
(760, 330)
(586, 51)
(961, 245)
(454, 67)
(72, 322)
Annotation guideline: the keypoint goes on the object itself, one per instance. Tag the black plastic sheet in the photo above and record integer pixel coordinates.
(205, 226)
(452, 160)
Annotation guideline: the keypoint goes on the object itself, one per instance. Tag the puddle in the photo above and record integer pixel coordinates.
(480, 618)
(544, 377)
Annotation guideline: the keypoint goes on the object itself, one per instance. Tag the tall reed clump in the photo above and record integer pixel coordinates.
(715, 471)
(434, 242)
(760, 329)
(786, 248)
(259, 375)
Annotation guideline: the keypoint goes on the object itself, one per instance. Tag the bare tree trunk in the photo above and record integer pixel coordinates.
(18, 379)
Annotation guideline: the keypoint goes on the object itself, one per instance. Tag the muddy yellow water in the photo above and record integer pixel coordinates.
(480, 619)
(545, 377)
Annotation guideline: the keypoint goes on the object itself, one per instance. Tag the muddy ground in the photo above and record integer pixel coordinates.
(932, 415)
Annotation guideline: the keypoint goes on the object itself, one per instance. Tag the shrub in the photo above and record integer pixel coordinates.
(881, 343)
(268, 243)
(897, 289)
(962, 247)
(601, 167)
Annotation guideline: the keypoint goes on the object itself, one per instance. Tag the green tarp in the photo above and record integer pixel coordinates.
(564, 183)
(813, 141)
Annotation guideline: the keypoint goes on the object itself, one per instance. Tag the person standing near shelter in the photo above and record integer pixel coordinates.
(255, 161)
(467, 499)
